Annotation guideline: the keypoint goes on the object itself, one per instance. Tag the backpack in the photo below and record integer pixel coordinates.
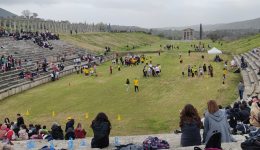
(243, 128)
(214, 142)
(34, 137)
(152, 143)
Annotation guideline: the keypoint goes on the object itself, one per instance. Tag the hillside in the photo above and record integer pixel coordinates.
(116, 41)
(243, 45)
(253, 23)
(5, 13)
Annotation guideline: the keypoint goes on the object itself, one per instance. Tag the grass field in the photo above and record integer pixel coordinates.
(116, 41)
(154, 109)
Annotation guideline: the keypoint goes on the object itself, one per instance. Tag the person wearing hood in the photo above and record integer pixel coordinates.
(57, 132)
(216, 121)
(69, 124)
(190, 124)
(101, 127)
(70, 133)
(2, 131)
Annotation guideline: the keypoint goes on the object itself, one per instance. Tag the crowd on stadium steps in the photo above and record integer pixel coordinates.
(101, 127)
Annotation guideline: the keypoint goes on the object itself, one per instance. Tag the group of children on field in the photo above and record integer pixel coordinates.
(87, 69)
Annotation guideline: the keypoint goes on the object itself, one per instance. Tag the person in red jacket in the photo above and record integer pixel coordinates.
(80, 132)
(9, 133)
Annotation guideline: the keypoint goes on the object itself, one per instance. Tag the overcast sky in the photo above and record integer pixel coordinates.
(142, 13)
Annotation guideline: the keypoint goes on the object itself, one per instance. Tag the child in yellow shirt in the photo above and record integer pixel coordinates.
(118, 67)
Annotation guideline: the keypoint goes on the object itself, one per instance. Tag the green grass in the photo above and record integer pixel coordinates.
(116, 41)
(154, 109)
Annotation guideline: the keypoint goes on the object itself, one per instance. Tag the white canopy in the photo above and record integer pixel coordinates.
(214, 51)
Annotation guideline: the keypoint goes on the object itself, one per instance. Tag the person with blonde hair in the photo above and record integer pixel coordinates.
(254, 115)
(79, 131)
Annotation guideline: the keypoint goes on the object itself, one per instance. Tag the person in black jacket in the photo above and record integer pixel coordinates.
(70, 133)
(69, 124)
(233, 119)
(245, 107)
(19, 120)
(101, 127)
(57, 132)
(244, 115)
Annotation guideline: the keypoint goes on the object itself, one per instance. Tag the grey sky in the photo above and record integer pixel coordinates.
(142, 13)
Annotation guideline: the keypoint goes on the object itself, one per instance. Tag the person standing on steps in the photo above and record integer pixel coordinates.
(189, 52)
(136, 84)
(180, 54)
(127, 84)
(159, 52)
(241, 89)
(151, 60)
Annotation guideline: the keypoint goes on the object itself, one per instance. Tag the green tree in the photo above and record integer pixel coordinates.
(161, 35)
(214, 36)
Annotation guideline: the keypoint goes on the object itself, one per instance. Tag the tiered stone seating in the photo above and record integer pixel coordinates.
(172, 139)
(250, 73)
(26, 49)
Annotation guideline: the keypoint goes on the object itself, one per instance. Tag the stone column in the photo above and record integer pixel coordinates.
(19, 26)
(4, 24)
(15, 26)
(10, 26)
(28, 25)
(32, 26)
(35, 26)
(66, 27)
(39, 26)
(24, 25)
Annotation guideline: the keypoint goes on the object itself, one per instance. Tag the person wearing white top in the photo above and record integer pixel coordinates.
(157, 70)
(52, 76)
(57, 74)
(150, 65)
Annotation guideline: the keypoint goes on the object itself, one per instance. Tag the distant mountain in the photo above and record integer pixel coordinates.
(6, 14)
(254, 24)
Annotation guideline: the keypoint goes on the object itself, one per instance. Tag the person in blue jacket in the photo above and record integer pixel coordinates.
(69, 124)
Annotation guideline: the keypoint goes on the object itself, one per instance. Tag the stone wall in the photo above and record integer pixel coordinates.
(30, 84)
(41, 25)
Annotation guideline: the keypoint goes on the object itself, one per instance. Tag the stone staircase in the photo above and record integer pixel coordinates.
(249, 75)
(171, 138)
(26, 49)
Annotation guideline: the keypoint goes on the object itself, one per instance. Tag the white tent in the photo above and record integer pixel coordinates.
(214, 51)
